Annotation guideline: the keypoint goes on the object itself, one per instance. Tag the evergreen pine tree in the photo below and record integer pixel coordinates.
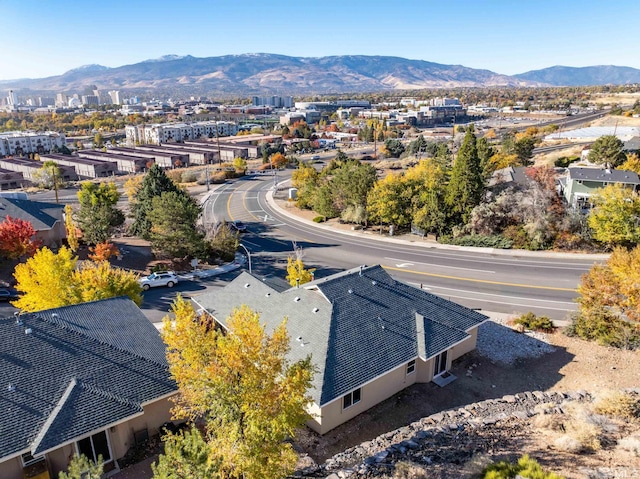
(466, 184)
(154, 184)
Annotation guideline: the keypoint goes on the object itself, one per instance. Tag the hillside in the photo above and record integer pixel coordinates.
(594, 75)
(269, 73)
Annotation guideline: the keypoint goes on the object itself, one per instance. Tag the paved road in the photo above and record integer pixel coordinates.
(493, 282)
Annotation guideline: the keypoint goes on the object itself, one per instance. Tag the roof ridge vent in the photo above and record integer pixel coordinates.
(350, 291)
(28, 331)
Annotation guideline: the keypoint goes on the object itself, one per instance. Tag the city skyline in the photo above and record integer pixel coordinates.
(503, 36)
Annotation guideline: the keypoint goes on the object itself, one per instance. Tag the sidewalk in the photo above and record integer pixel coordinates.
(433, 244)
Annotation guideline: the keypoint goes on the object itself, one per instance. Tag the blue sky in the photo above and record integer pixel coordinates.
(48, 37)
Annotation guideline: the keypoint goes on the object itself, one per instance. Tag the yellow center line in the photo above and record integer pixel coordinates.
(486, 281)
(229, 207)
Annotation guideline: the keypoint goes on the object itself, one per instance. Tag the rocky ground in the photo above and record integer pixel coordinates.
(545, 363)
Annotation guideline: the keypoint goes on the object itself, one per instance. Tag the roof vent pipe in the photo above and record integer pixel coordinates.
(28, 331)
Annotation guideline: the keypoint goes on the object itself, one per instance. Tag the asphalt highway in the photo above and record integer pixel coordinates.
(545, 284)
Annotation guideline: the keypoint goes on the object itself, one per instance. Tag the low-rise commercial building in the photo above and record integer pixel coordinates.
(85, 167)
(30, 168)
(124, 163)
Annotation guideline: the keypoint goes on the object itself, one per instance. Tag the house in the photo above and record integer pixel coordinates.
(369, 336)
(581, 183)
(46, 218)
(88, 378)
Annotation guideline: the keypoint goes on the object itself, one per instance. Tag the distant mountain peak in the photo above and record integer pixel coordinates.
(92, 67)
(167, 58)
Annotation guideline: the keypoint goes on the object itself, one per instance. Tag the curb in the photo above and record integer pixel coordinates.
(488, 251)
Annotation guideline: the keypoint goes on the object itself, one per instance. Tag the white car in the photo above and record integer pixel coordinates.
(161, 278)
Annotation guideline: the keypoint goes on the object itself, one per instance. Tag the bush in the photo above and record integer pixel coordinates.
(174, 175)
(482, 241)
(565, 161)
(410, 470)
(602, 326)
(525, 468)
(630, 444)
(189, 177)
(535, 323)
(618, 404)
(319, 219)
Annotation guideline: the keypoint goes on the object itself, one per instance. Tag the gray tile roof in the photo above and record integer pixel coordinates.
(603, 175)
(41, 215)
(71, 375)
(357, 325)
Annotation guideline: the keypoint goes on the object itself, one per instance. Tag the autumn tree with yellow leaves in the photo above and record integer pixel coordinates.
(239, 383)
(609, 302)
(51, 280)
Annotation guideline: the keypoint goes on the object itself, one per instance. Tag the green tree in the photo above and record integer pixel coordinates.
(394, 147)
(98, 215)
(173, 218)
(390, 201)
(607, 149)
(615, 218)
(240, 385)
(98, 140)
(485, 152)
(351, 184)
(186, 456)
(81, 467)
(154, 184)
(305, 179)
(466, 185)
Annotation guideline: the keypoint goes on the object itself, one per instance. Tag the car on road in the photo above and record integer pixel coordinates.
(9, 294)
(237, 226)
(159, 278)
(315, 157)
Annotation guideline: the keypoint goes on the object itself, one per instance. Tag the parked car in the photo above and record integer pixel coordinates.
(9, 294)
(160, 278)
(237, 226)
(315, 157)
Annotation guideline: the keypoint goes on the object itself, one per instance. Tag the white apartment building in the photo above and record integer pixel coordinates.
(157, 134)
(24, 142)
(115, 97)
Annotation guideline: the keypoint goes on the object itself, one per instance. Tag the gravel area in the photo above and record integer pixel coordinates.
(501, 344)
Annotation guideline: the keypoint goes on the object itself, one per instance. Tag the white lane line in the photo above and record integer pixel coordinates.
(441, 266)
(279, 224)
(251, 243)
(498, 295)
(255, 211)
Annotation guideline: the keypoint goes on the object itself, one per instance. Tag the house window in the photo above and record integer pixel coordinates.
(28, 459)
(352, 398)
(94, 446)
(411, 367)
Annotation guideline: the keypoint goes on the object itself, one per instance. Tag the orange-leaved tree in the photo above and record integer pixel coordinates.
(103, 251)
(17, 238)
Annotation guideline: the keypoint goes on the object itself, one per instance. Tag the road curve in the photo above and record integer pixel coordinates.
(489, 280)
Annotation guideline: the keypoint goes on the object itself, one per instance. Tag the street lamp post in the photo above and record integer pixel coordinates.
(248, 255)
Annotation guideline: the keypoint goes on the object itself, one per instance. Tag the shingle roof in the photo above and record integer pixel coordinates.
(604, 175)
(70, 375)
(357, 325)
(40, 214)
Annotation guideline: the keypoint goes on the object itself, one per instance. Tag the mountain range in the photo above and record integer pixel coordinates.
(263, 73)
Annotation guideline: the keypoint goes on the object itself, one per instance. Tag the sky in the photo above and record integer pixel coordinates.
(40, 38)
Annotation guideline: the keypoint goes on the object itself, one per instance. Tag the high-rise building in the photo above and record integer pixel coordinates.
(90, 100)
(62, 100)
(12, 99)
(115, 97)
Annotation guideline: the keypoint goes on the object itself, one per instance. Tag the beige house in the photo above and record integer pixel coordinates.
(46, 218)
(369, 336)
(90, 378)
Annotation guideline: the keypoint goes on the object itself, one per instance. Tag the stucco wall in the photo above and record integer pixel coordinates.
(155, 414)
(464, 347)
(11, 469)
(333, 414)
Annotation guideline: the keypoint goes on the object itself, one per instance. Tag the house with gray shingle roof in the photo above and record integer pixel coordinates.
(46, 218)
(79, 379)
(369, 336)
(581, 183)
